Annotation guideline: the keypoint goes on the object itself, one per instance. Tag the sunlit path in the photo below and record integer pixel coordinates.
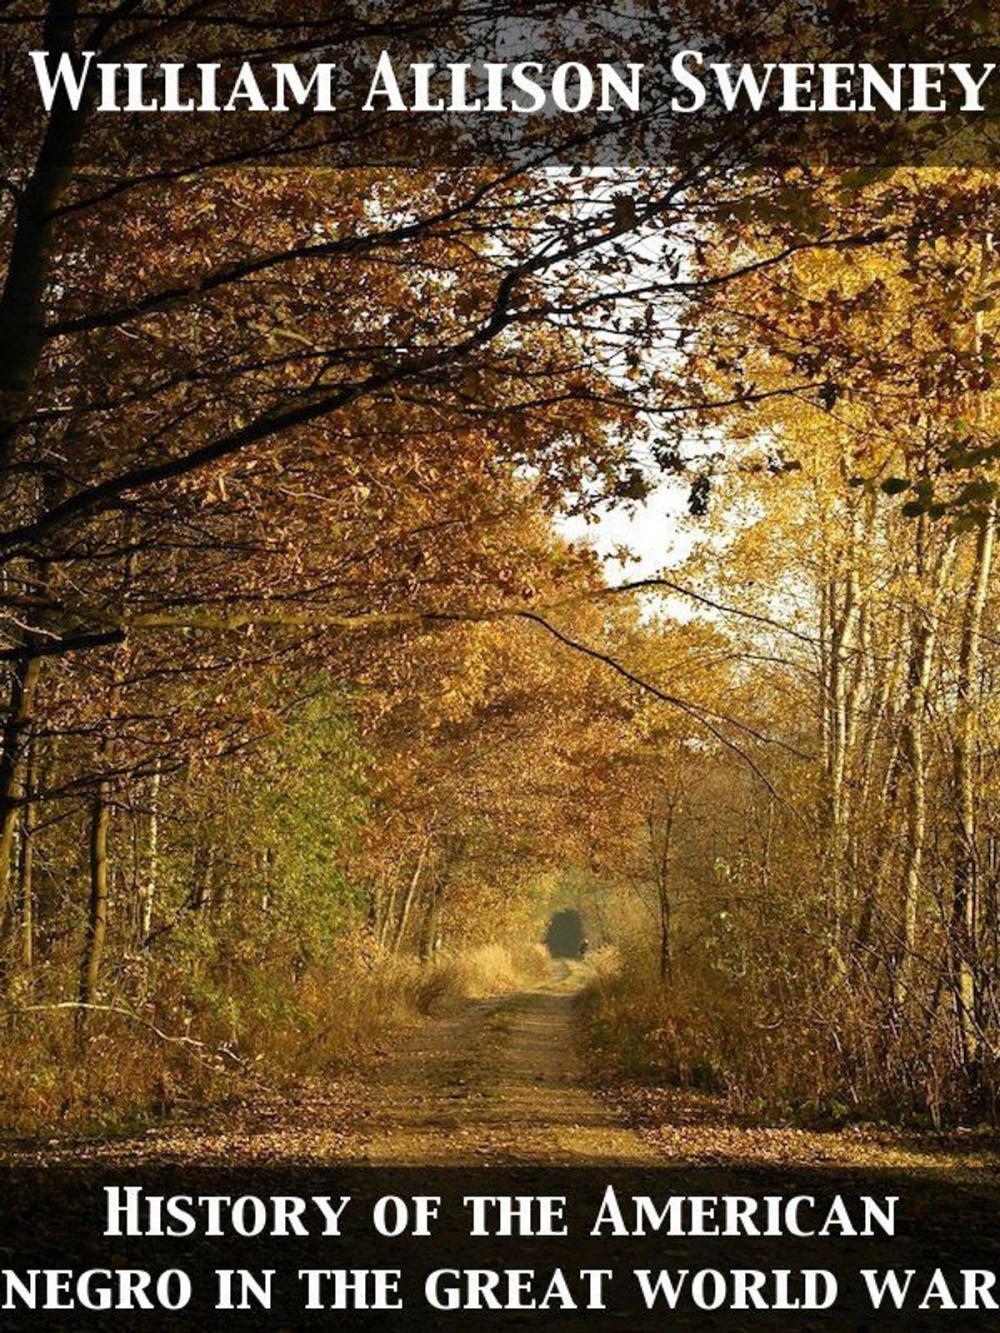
(500, 1082)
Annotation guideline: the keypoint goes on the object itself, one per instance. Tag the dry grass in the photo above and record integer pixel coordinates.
(780, 1048)
(195, 1031)
(490, 969)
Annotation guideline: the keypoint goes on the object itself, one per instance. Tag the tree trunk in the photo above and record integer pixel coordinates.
(147, 896)
(965, 872)
(965, 875)
(267, 877)
(204, 895)
(841, 728)
(387, 913)
(27, 888)
(661, 849)
(24, 682)
(914, 751)
(404, 915)
(97, 914)
(100, 819)
(843, 690)
(21, 310)
(432, 916)
(664, 955)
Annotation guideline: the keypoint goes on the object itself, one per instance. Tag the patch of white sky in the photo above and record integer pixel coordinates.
(641, 539)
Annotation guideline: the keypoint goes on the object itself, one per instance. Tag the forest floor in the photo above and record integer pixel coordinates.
(505, 1081)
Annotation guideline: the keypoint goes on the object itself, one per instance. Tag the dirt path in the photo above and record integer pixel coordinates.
(501, 1082)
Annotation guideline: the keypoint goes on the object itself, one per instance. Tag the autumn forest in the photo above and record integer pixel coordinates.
(318, 700)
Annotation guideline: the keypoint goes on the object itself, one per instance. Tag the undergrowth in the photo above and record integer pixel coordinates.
(168, 1041)
(781, 1050)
